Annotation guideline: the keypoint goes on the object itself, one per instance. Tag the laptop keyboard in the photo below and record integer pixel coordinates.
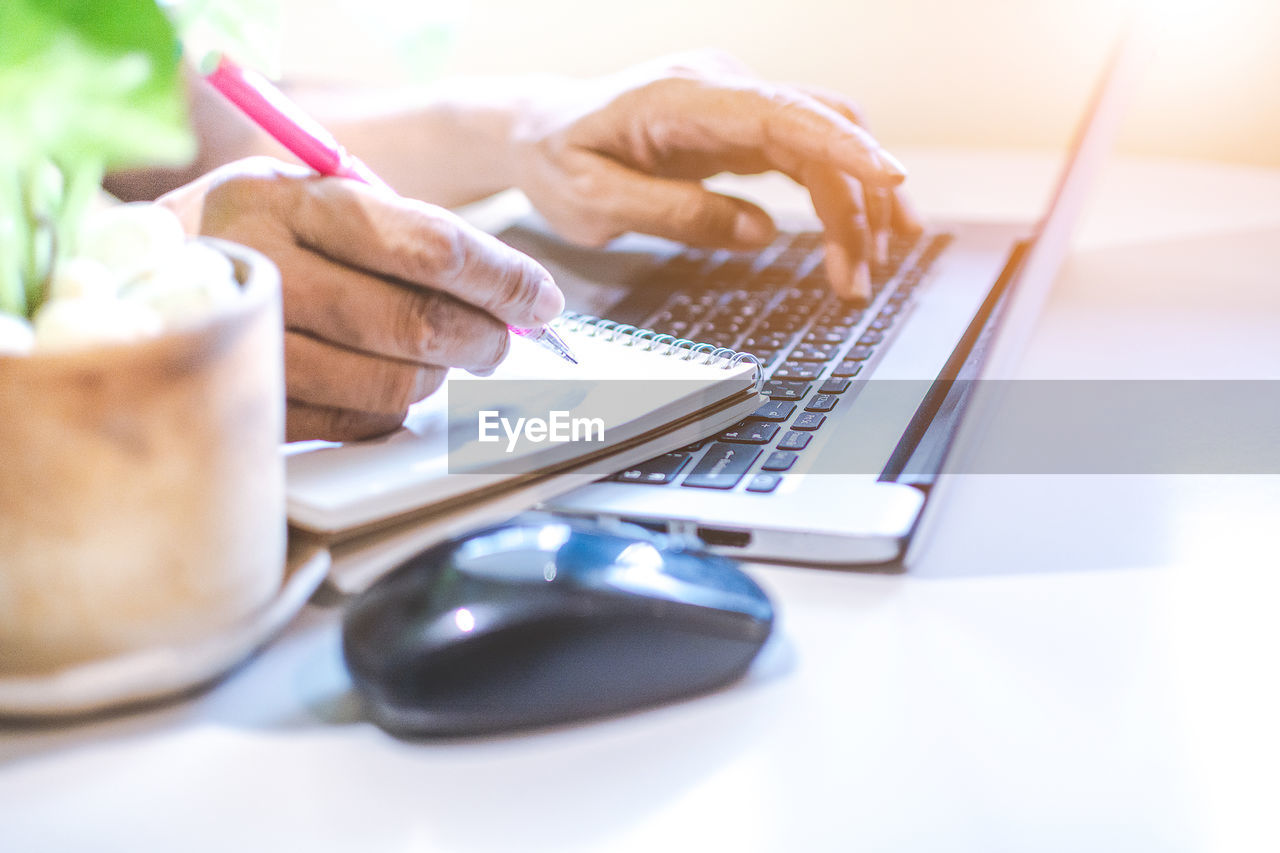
(777, 305)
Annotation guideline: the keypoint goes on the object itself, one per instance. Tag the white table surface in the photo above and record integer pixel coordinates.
(1077, 663)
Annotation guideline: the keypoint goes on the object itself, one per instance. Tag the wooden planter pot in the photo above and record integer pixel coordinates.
(141, 485)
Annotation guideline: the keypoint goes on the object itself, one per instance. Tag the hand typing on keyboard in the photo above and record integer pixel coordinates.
(629, 152)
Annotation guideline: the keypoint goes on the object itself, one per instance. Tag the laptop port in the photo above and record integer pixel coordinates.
(647, 524)
(725, 538)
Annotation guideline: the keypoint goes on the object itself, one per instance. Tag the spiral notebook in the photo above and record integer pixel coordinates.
(475, 445)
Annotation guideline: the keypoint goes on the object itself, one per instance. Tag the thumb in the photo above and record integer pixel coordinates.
(684, 211)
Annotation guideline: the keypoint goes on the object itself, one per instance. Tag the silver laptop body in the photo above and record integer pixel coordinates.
(855, 495)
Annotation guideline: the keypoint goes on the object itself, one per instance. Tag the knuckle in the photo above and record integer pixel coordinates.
(440, 249)
(502, 345)
(244, 185)
(513, 287)
(588, 185)
(229, 203)
(396, 387)
(856, 112)
(779, 97)
(418, 326)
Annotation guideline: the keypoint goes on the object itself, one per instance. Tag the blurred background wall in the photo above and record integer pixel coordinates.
(1008, 73)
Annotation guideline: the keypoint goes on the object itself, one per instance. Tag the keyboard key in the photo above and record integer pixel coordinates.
(764, 483)
(656, 472)
(794, 441)
(766, 357)
(841, 315)
(731, 273)
(779, 460)
(765, 340)
(808, 421)
(821, 403)
(722, 466)
(834, 386)
(781, 389)
(881, 322)
(859, 353)
(719, 339)
(727, 324)
(813, 352)
(817, 337)
(780, 323)
(750, 433)
(775, 410)
(869, 339)
(846, 368)
(773, 276)
(790, 370)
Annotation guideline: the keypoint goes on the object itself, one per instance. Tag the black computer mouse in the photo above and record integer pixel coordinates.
(545, 620)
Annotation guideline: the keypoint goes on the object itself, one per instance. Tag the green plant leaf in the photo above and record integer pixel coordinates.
(86, 85)
(91, 79)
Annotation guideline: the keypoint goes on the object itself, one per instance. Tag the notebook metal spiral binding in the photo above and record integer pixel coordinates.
(666, 345)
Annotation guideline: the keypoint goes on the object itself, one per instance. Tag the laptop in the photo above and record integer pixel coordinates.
(869, 409)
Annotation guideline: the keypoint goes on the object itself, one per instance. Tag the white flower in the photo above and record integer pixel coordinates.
(82, 278)
(16, 335)
(189, 284)
(65, 324)
(131, 239)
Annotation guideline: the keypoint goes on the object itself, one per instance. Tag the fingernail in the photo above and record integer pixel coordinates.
(890, 165)
(751, 230)
(550, 302)
(882, 246)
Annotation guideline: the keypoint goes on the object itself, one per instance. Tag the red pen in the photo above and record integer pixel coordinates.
(268, 107)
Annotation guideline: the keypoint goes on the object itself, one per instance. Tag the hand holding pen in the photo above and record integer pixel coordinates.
(382, 294)
(275, 113)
